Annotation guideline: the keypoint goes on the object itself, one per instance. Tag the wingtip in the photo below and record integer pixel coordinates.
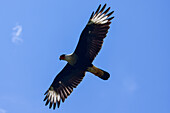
(103, 8)
(58, 104)
(105, 5)
(98, 9)
(110, 13)
(47, 102)
(50, 105)
(46, 92)
(101, 16)
(110, 18)
(52, 98)
(45, 98)
(54, 106)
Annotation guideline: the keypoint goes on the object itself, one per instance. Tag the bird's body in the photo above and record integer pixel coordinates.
(80, 61)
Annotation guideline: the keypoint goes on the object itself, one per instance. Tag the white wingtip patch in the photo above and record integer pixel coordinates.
(58, 97)
(100, 19)
(53, 96)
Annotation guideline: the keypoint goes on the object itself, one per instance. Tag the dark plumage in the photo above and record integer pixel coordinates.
(80, 61)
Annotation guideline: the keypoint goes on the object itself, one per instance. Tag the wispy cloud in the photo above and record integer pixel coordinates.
(16, 35)
(2, 110)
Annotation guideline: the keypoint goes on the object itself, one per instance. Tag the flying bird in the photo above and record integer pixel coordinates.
(80, 61)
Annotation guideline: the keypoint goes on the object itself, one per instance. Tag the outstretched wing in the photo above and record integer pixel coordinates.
(63, 85)
(91, 38)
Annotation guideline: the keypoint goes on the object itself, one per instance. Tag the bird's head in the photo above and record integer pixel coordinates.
(62, 57)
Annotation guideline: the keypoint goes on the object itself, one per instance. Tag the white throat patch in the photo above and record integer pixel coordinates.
(71, 59)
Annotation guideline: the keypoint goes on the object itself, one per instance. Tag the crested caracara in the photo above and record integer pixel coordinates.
(80, 61)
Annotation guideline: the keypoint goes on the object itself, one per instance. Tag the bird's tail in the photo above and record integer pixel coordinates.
(99, 72)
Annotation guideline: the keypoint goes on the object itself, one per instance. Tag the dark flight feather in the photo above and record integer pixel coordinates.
(88, 47)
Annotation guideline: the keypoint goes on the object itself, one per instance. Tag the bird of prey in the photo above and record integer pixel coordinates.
(80, 61)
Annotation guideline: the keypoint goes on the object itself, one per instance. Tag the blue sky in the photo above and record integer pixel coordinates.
(136, 52)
